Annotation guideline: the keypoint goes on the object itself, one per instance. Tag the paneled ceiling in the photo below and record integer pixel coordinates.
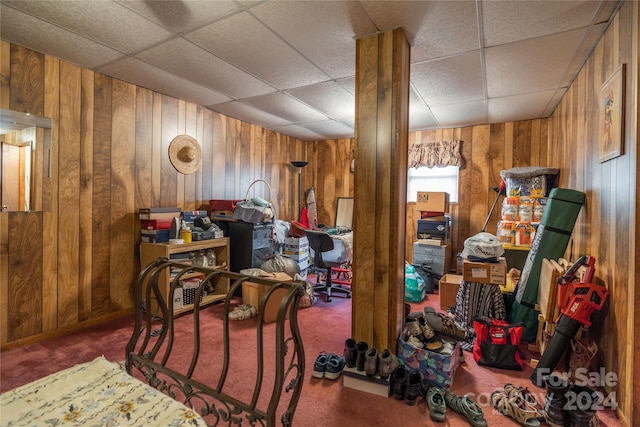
(290, 65)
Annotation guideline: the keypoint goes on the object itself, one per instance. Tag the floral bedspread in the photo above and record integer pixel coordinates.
(96, 393)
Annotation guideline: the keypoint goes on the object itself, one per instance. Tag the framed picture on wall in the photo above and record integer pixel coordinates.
(612, 116)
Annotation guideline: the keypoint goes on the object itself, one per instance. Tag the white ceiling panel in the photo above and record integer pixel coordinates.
(506, 22)
(530, 65)
(329, 97)
(323, 31)
(263, 54)
(203, 68)
(248, 113)
(142, 74)
(289, 65)
(441, 80)
(287, 107)
(518, 107)
(124, 30)
(25, 30)
(182, 16)
(459, 115)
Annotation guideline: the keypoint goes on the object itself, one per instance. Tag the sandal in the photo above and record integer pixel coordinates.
(436, 403)
(515, 407)
(512, 391)
(467, 407)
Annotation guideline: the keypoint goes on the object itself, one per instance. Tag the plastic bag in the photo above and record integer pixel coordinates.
(483, 246)
(415, 288)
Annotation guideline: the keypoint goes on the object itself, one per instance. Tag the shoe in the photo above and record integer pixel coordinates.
(413, 389)
(361, 349)
(512, 391)
(350, 353)
(436, 403)
(515, 407)
(240, 312)
(335, 365)
(443, 324)
(320, 365)
(467, 407)
(415, 342)
(398, 382)
(387, 362)
(371, 362)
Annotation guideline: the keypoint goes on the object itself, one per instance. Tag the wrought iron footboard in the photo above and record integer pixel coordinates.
(279, 355)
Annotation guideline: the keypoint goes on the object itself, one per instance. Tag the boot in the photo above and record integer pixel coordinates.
(413, 389)
(387, 362)
(350, 352)
(361, 349)
(397, 382)
(371, 362)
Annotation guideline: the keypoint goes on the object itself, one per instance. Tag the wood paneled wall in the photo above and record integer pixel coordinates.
(608, 225)
(74, 264)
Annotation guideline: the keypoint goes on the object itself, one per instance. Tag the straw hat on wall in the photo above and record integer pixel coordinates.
(185, 154)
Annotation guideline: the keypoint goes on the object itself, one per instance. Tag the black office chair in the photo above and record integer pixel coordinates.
(321, 242)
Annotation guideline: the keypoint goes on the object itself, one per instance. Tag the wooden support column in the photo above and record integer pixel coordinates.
(382, 122)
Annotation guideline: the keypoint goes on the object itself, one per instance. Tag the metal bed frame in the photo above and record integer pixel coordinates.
(152, 342)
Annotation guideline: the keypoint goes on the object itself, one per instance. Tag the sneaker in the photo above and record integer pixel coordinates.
(320, 365)
(334, 367)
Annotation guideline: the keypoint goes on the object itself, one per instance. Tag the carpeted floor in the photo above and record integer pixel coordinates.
(324, 327)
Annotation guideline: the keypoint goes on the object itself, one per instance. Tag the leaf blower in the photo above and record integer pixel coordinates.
(576, 302)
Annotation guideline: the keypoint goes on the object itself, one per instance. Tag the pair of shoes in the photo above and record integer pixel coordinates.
(405, 384)
(443, 324)
(512, 391)
(417, 326)
(467, 407)
(242, 312)
(516, 407)
(328, 365)
(436, 402)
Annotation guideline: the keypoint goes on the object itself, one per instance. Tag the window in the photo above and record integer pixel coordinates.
(433, 179)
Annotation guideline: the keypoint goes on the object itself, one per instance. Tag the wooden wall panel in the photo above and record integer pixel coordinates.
(69, 195)
(5, 73)
(27, 81)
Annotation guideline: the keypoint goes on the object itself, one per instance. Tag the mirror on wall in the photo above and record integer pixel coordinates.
(26, 162)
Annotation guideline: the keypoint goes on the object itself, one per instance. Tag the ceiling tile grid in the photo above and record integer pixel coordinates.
(290, 65)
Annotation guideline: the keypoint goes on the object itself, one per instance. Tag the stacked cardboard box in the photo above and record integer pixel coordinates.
(297, 248)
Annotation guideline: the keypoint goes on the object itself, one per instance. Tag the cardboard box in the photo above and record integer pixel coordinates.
(177, 299)
(448, 289)
(252, 293)
(432, 201)
(296, 246)
(485, 272)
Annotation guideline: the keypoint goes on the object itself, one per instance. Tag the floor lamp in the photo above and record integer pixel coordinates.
(299, 164)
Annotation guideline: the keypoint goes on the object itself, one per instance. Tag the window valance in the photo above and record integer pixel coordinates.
(435, 154)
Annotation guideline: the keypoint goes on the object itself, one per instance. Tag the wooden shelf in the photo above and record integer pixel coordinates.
(149, 252)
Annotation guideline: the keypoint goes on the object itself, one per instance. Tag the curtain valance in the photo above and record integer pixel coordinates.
(435, 154)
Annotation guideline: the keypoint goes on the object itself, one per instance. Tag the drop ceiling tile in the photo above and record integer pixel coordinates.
(349, 84)
(429, 26)
(323, 31)
(453, 79)
(531, 65)
(463, 114)
(248, 113)
(330, 129)
(506, 22)
(328, 97)
(203, 68)
(110, 24)
(286, 107)
(554, 101)
(519, 107)
(299, 132)
(606, 9)
(584, 49)
(142, 74)
(24, 30)
(263, 54)
(420, 116)
(181, 16)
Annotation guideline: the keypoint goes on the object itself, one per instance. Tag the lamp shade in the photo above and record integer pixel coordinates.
(299, 163)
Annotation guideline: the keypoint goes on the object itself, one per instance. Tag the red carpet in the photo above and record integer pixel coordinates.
(324, 327)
